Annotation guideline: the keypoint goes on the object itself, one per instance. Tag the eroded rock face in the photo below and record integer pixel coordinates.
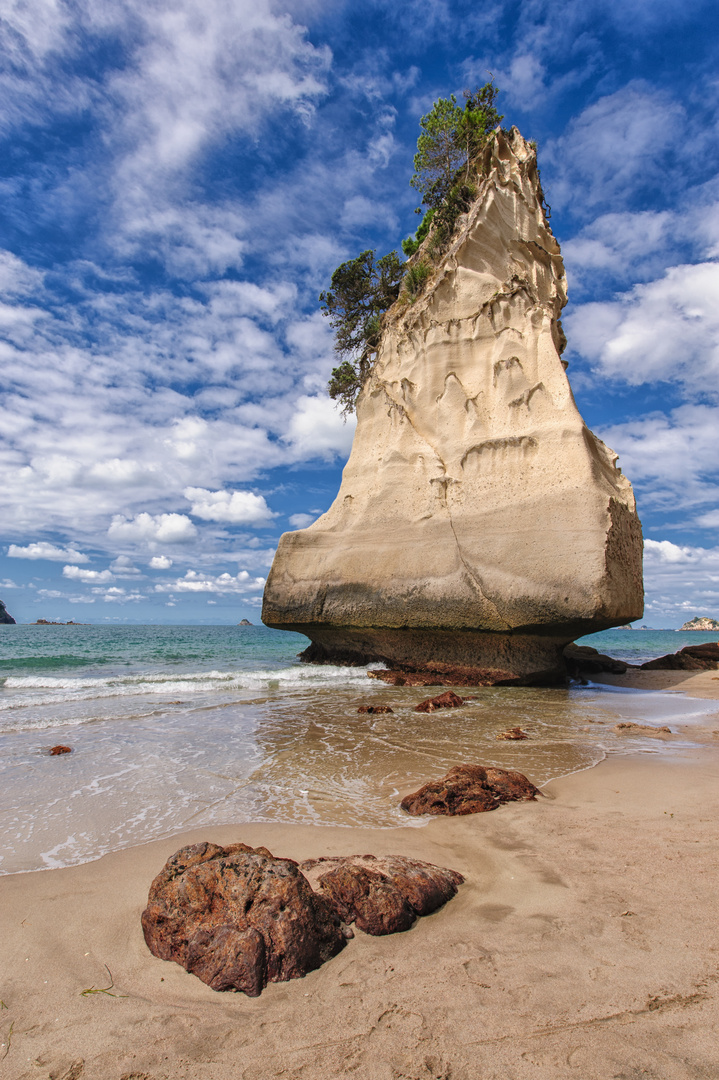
(469, 789)
(480, 525)
(239, 918)
(382, 895)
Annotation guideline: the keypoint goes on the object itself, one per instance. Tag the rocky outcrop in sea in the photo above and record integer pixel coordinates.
(5, 616)
(480, 525)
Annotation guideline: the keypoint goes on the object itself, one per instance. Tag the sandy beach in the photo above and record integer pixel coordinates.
(584, 943)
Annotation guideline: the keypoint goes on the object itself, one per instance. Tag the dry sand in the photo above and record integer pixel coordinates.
(584, 944)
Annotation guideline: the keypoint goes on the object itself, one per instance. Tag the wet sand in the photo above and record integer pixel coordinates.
(584, 944)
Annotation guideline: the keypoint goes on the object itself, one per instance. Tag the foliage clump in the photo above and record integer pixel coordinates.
(363, 289)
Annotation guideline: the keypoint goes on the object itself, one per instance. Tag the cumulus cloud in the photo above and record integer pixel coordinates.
(76, 573)
(160, 562)
(41, 549)
(195, 581)
(301, 521)
(317, 427)
(664, 330)
(681, 580)
(615, 149)
(237, 507)
(673, 456)
(153, 528)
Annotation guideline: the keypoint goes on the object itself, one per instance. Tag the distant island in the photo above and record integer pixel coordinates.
(49, 622)
(245, 622)
(701, 622)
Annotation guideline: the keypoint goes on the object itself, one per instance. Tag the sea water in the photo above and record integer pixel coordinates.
(177, 727)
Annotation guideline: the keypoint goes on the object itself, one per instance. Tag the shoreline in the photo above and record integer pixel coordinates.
(580, 945)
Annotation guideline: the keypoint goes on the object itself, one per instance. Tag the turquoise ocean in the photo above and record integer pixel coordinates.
(178, 727)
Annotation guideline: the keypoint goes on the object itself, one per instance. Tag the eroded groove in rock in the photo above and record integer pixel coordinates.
(479, 524)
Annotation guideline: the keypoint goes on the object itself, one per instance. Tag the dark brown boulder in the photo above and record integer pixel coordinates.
(55, 750)
(692, 658)
(375, 710)
(512, 733)
(584, 660)
(382, 895)
(5, 616)
(469, 789)
(448, 700)
(239, 918)
(448, 676)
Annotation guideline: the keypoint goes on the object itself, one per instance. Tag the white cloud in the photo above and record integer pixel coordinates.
(76, 573)
(123, 567)
(160, 528)
(301, 521)
(317, 428)
(664, 330)
(160, 562)
(681, 580)
(238, 507)
(664, 551)
(673, 457)
(614, 148)
(197, 582)
(41, 549)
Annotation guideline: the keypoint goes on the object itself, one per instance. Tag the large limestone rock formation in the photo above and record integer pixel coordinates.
(479, 524)
(5, 616)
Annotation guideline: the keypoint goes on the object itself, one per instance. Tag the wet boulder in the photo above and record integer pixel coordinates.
(469, 789)
(448, 700)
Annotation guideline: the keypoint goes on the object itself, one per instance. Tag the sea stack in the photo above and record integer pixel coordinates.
(5, 616)
(480, 525)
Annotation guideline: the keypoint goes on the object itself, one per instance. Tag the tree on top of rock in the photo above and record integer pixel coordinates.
(449, 139)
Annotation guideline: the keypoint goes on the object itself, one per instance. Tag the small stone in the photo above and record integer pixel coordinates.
(54, 750)
(469, 789)
(375, 710)
(448, 700)
(628, 727)
(513, 733)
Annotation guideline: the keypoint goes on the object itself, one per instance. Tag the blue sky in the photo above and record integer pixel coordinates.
(177, 183)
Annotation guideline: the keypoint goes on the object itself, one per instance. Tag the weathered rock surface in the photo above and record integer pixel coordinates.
(374, 710)
(584, 660)
(480, 524)
(55, 751)
(448, 677)
(382, 895)
(512, 734)
(239, 918)
(692, 658)
(5, 616)
(469, 789)
(448, 700)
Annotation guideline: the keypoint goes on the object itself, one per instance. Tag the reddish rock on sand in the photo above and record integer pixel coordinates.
(469, 789)
(382, 895)
(239, 918)
(374, 710)
(512, 733)
(60, 750)
(448, 700)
